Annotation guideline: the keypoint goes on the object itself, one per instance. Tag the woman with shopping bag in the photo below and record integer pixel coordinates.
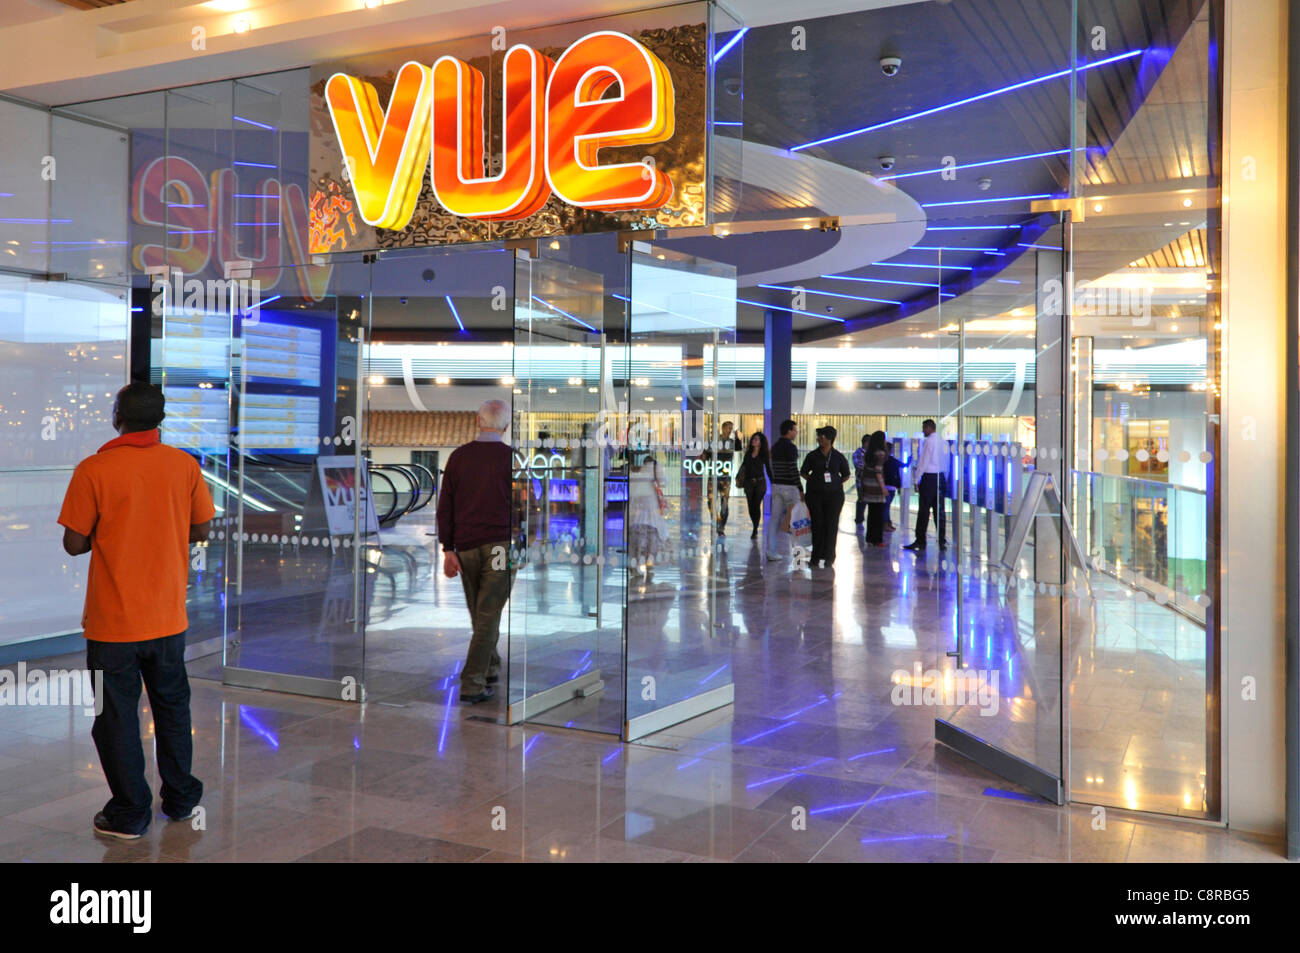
(824, 472)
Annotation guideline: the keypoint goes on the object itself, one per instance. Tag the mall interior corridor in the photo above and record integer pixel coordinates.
(410, 775)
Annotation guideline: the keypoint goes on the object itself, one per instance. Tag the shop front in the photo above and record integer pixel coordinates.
(639, 228)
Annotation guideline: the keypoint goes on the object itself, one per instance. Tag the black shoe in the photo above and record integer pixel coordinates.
(492, 679)
(488, 692)
(754, 535)
(942, 545)
(857, 522)
(721, 533)
(183, 815)
(104, 828)
(916, 547)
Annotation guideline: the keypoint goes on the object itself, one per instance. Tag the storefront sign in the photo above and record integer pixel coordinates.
(567, 128)
(557, 120)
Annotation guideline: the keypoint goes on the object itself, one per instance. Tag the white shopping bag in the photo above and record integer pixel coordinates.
(800, 525)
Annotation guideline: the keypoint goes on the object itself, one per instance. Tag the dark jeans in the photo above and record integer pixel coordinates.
(876, 522)
(824, 509)
(931, 499)
(161, 664)
(889, 502)
(859, 507)
(754, 493)
(486, 576)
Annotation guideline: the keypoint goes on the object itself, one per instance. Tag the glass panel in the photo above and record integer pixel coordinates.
(441, 323)
(565, 621)
(682, 311)
(62, 360)
(25, 220)
(1145, 413)
(305, 557)
(1005, 688)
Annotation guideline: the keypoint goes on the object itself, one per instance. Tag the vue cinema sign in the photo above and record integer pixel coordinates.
(606, 90)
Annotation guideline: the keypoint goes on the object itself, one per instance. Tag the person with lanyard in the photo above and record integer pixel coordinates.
(825, 471)
(929, 475)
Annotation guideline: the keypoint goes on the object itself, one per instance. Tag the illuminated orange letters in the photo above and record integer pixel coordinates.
(384, 151)
(556, 120)
(457, 146)
(579, 123)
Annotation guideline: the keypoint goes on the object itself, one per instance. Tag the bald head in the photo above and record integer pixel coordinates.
(494, 415)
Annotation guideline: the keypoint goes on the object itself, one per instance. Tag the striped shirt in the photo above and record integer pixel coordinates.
(785, 463)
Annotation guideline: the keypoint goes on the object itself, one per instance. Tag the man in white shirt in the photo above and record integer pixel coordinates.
(929, 474)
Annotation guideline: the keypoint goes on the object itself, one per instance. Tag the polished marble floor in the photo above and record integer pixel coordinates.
(813, 762)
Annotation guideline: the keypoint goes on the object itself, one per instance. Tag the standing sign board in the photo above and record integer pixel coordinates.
(333, 496)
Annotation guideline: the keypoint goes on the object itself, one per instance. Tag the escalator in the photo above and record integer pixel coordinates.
(272, 483)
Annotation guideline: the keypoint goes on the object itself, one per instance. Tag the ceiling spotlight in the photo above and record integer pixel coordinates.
(372, 4)
(846, 383)
(507, 381)
(1187, 203)
(1096, 207)
(985, 183)
(376, 378)
(243, 24)
(442, 380)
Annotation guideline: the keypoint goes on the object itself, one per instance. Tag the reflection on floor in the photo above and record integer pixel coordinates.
(813, 762)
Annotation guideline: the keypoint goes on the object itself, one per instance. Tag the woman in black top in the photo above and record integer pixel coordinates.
(873, 488)
(824, 471)
(752, 477)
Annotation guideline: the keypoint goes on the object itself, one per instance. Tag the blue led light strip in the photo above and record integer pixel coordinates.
(1005, 198)
(454, 313)
(773, 307)
(730, 43)
(905, 264)
(883, 281)
(565, 313)
(962, 102)
(253, 122)
(974, 165)
(832, 294)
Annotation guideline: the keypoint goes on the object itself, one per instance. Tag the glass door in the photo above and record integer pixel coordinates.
(565, 619)
(1011, 561)
(681, 314)
(299, 517)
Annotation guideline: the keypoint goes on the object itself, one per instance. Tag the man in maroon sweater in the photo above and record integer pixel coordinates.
(474, 527)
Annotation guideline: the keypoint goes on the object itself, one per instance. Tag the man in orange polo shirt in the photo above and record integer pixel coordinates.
(136, 506)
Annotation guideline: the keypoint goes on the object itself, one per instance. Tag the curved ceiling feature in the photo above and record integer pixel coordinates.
(886, 220)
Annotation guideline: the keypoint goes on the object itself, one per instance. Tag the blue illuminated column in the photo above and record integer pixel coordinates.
(778, 334)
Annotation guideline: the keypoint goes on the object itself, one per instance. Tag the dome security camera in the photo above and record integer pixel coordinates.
(886, 162)
(890, 65)
(732, 86)
(427, 275)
